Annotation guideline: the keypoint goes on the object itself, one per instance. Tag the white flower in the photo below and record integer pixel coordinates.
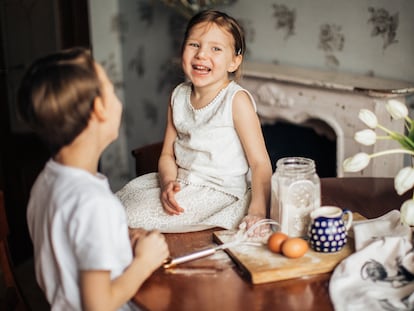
(407, 212)
(404, 180)
(356, 163)
(405, 177)
(366, 137)
(368, 117)
(396, 109)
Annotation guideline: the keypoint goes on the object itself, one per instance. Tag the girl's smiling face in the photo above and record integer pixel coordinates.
(209, 55)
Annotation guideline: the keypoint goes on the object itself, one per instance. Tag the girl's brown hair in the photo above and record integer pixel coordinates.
(225, 22)
(56, 95)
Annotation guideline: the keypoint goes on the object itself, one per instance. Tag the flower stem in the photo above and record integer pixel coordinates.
(391, 151)
(385, 129)
(384, 137)
(404, 141)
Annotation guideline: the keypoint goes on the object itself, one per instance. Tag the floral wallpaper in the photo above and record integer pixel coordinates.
(383, 24)
(285, 19)
(188, 8)
(138, 42)
(331, 40)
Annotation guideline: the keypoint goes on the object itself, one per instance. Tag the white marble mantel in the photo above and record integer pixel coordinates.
(329, 102)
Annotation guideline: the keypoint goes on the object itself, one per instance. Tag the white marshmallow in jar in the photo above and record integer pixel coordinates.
(296, 192)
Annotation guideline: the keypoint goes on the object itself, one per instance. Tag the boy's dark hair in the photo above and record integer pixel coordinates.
(225, 22)
(56, 95)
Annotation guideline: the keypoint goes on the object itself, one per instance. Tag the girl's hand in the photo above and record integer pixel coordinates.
(249, 220)
(152, 248)
(168, 201)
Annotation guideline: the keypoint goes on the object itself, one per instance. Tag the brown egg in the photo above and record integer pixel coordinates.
(294, 247)
(275, 241)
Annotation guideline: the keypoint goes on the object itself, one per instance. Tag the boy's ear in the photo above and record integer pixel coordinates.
(235, 63)
(99, 110)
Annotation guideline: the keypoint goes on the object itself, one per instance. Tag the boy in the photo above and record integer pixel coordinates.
(83, 255)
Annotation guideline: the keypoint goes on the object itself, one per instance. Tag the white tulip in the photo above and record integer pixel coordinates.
(356, 163)
(396, 109)
(368, 117)
(366, 137)
(404, 180)
(407, 212)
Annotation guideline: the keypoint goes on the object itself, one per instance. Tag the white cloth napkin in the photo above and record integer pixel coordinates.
(380, 274)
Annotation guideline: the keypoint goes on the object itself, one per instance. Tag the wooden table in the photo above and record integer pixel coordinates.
(215, 283)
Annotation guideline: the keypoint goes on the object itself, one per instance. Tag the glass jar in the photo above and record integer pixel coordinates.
(296, 192)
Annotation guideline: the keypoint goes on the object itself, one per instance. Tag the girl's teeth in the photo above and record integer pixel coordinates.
(201, 68)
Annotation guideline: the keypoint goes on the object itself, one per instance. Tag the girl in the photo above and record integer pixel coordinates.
(212, 138)
(82, 252)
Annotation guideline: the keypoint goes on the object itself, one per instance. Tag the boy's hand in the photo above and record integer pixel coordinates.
(135, 234)
(152, 248)
(168, 201)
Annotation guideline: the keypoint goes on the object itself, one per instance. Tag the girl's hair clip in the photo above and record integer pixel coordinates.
(239, 52)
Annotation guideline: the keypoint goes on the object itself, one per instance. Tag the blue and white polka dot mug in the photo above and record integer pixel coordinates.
(328, 230)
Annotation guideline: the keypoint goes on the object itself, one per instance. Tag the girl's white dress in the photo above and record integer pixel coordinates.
(212, 170)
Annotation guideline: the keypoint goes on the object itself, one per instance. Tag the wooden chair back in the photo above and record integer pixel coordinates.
(146, 158)
(14, 299)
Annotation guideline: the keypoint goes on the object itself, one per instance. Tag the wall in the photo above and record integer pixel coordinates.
(138, 40)
(107, 49)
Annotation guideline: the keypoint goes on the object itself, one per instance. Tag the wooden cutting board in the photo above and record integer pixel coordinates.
(262, 266)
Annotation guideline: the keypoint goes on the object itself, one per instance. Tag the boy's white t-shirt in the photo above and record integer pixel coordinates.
(76, 223)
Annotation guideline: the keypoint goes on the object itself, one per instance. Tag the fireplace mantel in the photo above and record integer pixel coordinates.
(306, 97)
(334, 80)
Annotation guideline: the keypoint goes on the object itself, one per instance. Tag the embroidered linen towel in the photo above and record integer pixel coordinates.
(380, 274)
